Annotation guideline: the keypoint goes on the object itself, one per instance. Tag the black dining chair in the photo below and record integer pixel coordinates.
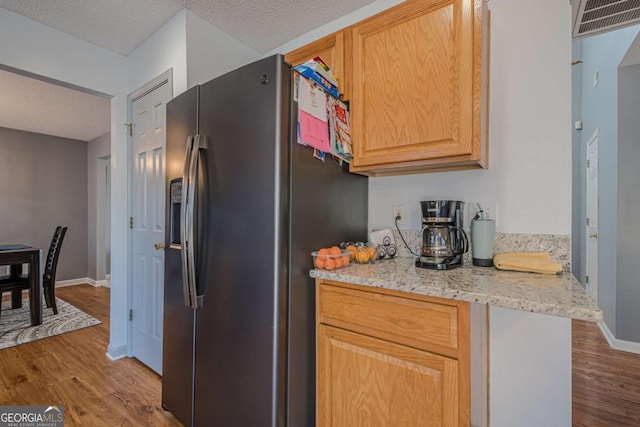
(20, 283)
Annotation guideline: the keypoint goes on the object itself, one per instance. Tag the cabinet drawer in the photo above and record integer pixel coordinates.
(414, 322)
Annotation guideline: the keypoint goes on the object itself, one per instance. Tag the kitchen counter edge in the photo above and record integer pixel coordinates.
(555, 295)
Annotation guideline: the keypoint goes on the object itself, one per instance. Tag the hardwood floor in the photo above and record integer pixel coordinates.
(72, 370)
(606, 382)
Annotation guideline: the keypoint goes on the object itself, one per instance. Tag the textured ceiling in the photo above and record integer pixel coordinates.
(121, 25)
(35, 106)
(117, 25)
(264, 25)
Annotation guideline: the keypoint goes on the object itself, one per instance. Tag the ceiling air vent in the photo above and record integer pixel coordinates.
(596, 16)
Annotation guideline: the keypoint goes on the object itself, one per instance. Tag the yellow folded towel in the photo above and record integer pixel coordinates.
(534, 262)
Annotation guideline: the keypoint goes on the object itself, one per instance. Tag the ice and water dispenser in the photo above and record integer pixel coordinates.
(175, 195)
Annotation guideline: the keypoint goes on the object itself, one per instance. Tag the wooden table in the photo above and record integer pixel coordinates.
(15, 256)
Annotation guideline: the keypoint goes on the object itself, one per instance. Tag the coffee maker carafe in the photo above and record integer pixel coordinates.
(444, 242)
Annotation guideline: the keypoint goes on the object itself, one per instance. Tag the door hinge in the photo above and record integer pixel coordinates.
(131, 222)
(130, 126)
(586, 279)
(588, 221)
(130, 315)
(588, 163)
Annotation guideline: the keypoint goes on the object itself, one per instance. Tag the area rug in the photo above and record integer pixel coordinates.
(15, 325)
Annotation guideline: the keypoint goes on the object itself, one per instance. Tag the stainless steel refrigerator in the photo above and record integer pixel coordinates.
(246, 205)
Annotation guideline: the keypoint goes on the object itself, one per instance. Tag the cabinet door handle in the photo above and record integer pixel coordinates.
(158, 246)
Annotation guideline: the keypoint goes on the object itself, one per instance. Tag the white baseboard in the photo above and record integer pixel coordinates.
(115, 353)
(63, 283)
(73, 282)
(103, 283)
(80, 281)
(607, 334)
(617, 344)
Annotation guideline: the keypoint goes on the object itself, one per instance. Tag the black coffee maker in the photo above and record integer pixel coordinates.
(444, 242)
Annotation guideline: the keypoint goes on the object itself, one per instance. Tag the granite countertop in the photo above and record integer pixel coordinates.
(559, 295)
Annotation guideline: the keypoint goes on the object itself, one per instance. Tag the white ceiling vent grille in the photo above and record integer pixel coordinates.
(596, 16)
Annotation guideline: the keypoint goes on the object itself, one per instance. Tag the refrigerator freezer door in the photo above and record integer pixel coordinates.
(241, 328)
(328, 206)
(177, 345)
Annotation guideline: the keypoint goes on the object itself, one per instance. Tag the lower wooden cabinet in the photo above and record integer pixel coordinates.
(364, 381)
(389, 358)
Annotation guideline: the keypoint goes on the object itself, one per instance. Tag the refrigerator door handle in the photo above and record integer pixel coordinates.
(198, 144)
(184, 224)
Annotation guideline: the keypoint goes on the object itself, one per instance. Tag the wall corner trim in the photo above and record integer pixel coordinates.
(115, 353)
(617, 344)
(103, 283)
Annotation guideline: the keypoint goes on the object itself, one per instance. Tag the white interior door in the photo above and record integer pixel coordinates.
(147, 207)
(592, 216)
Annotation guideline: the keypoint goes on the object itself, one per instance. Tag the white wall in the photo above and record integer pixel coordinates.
(600, 111)
(578, 184)
(628, 268)
(165, 49)
(530, 369)
(212, 52)
(30, 46)
(97, 149)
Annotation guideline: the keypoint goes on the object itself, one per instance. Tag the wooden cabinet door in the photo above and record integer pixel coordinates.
(364, 381)
(332, 51)
(417, 84)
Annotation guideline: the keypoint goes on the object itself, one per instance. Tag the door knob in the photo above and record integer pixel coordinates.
(593, 235)
(158, 246)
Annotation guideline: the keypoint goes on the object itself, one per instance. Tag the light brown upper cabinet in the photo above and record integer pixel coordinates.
(418, 96)
(332, 50)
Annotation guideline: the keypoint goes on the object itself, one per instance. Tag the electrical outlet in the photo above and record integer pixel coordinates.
(398, 211)
(490, 212)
